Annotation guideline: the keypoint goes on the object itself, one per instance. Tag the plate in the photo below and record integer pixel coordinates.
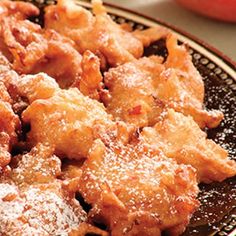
(217, 213)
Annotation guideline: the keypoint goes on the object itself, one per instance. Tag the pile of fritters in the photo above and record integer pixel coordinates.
(92, 133)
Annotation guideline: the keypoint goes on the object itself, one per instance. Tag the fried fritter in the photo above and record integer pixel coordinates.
(140, 90)
(137, 191)
(180, 138)
(34, 202)
(183, 88)
(43, 209)
(90, 82)
(34, 87)
(131, 89)
(19, 10)
(65, 119)
(9, 121)
(37, 50)
(34, 50)
(37, 166)
(99, 33)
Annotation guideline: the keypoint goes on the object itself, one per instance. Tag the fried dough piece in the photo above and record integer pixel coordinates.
(140, 90)
(131, 89)
(99, 33)
(37, 50)
(19, 10)
(7, 76)
(34, 87)
(65, 119)
(180, 138)
(90, 82)
(33, 202)
(9, 122)
(37, 166)
(43, 209)
(183, 89)
(138, 191)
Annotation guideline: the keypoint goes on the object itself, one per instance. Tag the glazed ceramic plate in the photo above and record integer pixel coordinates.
(217, 213)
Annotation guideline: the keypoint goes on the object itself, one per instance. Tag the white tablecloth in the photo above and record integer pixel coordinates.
(218, 34)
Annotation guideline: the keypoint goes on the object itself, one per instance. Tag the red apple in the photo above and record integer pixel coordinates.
(219, 9)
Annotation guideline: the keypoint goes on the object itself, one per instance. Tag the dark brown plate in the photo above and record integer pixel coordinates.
(217, 213)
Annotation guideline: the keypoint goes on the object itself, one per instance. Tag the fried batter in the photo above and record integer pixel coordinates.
(37, 50)
(33, 202)
(180, 138)
(67, 119)
(19, 10)
(183, 88)
(131, 89)
(37, 166)
(140, 90)
(43, 209)
(138, 191)
(9, 122)
(90, 82)
(99, 33)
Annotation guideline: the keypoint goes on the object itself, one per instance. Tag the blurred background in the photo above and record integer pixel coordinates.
(219, 34)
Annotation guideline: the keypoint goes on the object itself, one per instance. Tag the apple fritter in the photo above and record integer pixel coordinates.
(43, 209)
(99, 33)
(37, 50)
(19, 10)
(183, 88)
(131, 89)
(34, 202)
(9, 124)
(140, 90)
(66, 119)
(91, 79)
(9, 121)
(180, 138)
(34, 87)
(137, 191)
(37, 166)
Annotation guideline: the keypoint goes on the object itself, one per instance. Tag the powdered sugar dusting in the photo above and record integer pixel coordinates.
(38, 211)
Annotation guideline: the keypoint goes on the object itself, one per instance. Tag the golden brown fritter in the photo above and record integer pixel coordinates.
(9, 124)
(180, 138)
(183, 88)
(43, 209)
(131, 89)
(99, 33)
(137, 191)
(33, 87)
(37, 50)
(34, 202)
(18, 10)
(9, 121)
(37, 166)
(65, 119)
(33, 49)
(140, 90)
(90, 82)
